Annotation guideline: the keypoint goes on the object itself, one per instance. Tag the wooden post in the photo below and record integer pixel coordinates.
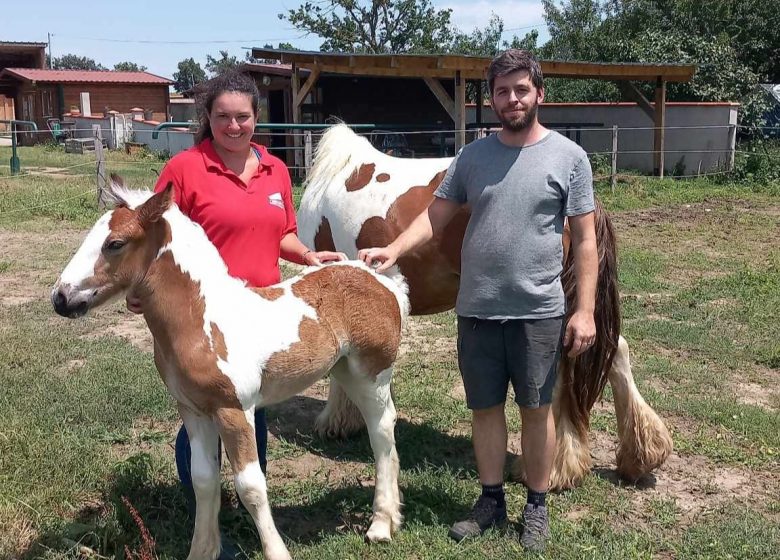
(732, 145)
(101, 166)
(613, 177)
(660, 124)
(479, 103)
(295, 83)
(307, 151)
(460, 111)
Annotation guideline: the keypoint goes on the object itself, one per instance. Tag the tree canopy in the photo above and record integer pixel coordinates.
(129, 67)
(188, 75)
(75, 62)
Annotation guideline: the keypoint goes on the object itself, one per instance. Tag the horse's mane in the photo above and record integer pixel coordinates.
(337, 148)
(119, 194)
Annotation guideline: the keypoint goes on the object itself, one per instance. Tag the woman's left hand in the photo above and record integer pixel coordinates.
(321, 257)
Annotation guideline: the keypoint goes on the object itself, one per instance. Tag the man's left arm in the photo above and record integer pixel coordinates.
(581, 328)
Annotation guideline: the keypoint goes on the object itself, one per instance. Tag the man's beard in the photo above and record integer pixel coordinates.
(520, 123)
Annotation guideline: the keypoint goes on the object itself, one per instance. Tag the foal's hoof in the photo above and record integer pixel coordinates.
(378, 533)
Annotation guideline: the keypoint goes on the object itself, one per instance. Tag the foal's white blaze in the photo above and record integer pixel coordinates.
(240, 314)
(82, 266)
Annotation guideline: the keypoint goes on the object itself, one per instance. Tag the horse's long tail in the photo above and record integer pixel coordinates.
(584, 380)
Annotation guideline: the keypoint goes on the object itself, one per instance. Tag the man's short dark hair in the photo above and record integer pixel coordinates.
(512, 60)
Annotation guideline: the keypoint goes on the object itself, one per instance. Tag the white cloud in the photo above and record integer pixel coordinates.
(467, 15)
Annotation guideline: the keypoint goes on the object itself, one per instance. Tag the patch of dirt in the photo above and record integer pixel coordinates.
(133, 329)
(756, 395)
(694, 483)
(36, 261)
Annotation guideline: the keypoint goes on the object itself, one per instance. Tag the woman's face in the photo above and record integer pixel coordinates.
(232, 120)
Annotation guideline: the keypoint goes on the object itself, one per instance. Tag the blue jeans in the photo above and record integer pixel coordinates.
(184, 452)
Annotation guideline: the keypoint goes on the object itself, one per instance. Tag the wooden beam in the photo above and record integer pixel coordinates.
(300, 96)
(473, 67)
(460, 111)
(295, 85)
(632, 92)
(660, 124)
(442, 95)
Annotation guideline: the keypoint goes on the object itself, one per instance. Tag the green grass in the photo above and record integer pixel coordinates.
(86, 419)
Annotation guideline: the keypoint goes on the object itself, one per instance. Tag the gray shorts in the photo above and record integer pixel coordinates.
(523, 351)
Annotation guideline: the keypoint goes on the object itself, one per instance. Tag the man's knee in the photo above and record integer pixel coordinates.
(536, 415)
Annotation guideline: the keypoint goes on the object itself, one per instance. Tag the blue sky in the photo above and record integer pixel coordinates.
(158, 34)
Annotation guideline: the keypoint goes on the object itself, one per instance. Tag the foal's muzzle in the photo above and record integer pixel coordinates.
(68, 305)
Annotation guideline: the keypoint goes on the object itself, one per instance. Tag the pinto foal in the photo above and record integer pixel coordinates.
(223, 349)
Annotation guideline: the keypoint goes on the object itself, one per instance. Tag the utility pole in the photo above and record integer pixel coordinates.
(51, 60)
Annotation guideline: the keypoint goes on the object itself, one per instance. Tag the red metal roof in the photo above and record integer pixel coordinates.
(84, 76)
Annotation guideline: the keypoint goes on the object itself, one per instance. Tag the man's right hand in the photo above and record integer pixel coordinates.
(134, 304)
(381, 257)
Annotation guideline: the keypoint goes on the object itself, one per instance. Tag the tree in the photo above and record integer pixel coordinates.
(734, 43)
(75, 62)
(129, 67)
(188, 76)
(375, 26)
(225, 62)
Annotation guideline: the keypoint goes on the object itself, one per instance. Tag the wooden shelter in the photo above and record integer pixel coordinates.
(460, 68)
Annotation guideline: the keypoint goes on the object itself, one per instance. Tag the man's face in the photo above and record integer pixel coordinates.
(516, 100)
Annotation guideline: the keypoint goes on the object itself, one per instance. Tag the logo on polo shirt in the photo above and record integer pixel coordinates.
(276, 200)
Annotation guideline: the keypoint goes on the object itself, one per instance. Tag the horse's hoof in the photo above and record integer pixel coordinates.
(378, 533)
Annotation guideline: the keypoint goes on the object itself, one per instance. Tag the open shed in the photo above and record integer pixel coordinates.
(438, 71)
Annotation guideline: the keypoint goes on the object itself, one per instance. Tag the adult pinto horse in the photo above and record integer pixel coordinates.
(357, 197)
(224, 349)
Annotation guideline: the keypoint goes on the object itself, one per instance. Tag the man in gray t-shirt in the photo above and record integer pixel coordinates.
(519, 184)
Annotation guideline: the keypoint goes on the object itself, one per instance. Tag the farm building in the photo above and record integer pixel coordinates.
(43, 94)
(17, 55)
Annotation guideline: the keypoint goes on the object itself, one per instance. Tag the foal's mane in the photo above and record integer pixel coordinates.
(119, 195)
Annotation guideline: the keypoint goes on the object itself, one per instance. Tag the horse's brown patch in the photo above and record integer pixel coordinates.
(218, 341)
(323, 239)
(183, 355)
(270, 293)
(360, 177)
(434, 268)
(382, 178)
(358, 309)
(238, 436)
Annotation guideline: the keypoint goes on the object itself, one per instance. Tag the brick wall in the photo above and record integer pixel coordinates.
(120, 98)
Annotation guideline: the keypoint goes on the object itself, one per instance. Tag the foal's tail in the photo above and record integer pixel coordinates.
(585, 376)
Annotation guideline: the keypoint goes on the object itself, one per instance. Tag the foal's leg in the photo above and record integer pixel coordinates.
(204, 441)
(238, 435)
(372, 396)
(644, 441)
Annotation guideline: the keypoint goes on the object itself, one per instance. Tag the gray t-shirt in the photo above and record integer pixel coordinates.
(512, 251)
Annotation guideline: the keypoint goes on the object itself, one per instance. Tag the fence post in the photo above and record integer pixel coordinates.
(307, 151)
(732, 145)
(101, 166)
(613, 176)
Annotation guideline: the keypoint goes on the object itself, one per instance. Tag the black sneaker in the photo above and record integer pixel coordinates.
(536, 528)
(484, 515)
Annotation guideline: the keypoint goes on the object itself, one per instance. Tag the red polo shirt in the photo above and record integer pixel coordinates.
(246, 222)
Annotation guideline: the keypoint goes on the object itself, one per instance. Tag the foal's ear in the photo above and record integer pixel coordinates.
(153, 209)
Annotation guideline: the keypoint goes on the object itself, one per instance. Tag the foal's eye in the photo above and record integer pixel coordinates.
(114, 246)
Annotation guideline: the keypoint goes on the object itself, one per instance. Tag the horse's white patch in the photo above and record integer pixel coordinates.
(339, 153)
(253, 328)
(82, 266)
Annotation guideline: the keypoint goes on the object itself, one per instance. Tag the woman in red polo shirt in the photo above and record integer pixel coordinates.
(242, 197)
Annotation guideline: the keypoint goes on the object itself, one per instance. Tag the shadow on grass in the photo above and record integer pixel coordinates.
(108, 527)
(417, 444)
